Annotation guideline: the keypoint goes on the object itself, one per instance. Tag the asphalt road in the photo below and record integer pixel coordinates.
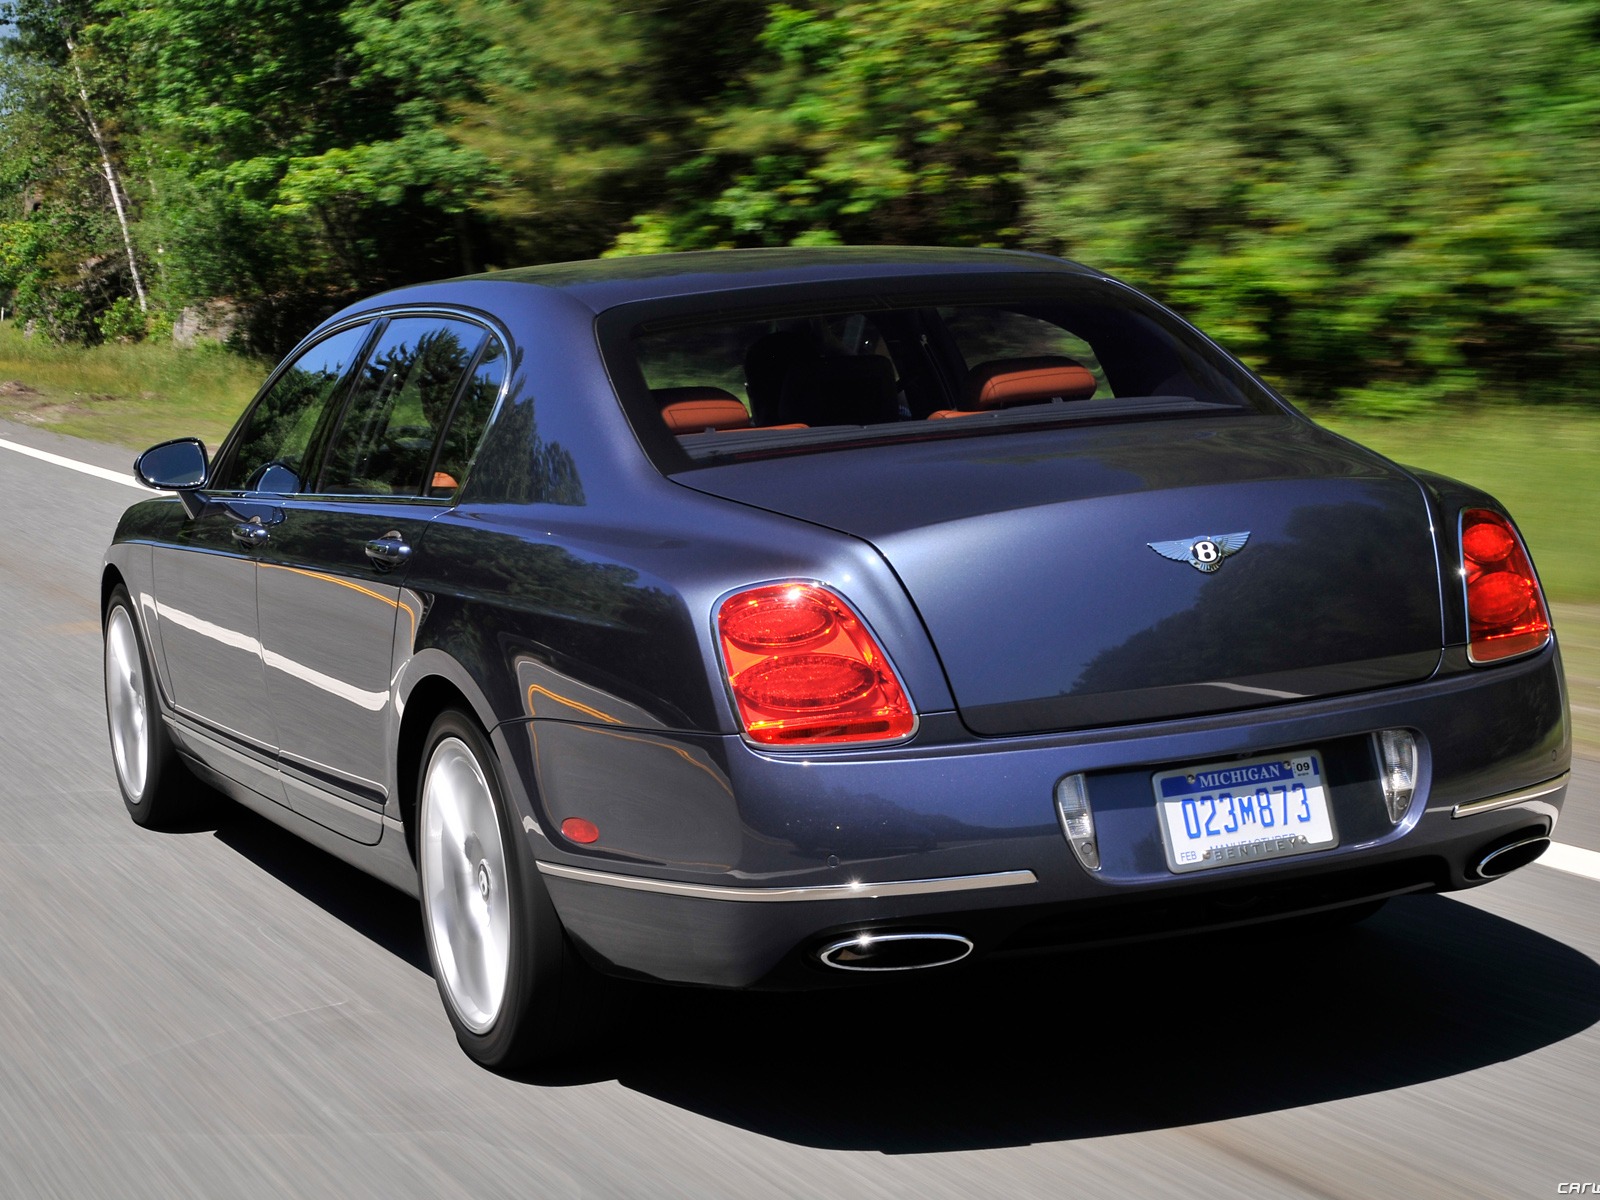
(224, 1012)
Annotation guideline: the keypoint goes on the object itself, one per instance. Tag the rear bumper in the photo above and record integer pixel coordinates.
(723, 865)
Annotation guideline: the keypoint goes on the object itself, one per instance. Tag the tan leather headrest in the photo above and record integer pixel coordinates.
(697, 409)
(1008, 382)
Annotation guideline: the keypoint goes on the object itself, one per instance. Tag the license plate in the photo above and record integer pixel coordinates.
(1222, 814)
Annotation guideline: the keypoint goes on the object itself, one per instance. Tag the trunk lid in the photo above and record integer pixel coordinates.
(1029, 556)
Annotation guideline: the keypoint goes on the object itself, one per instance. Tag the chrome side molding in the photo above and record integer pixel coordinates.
(1507, 799)
(855, 890)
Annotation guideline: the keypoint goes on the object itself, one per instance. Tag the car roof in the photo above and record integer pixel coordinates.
(603, 283)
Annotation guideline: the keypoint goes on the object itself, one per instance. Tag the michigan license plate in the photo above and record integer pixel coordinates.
(1226, 813)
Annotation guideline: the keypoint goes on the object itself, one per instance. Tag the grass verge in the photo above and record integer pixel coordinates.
(1578, 627)
(1543, 464)
(128, 395)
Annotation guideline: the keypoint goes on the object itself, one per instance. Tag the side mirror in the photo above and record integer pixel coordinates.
(175, 466)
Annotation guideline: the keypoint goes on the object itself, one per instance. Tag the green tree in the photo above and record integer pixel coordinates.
(586, 105)
(68, 251)
(1385, 202)
(877, 120)
(413, 60)
(295, 148)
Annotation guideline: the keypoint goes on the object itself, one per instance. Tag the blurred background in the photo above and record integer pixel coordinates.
(1384, 204)
(1386, 207)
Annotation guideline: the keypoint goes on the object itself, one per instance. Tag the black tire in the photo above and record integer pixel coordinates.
(515, 993)
(155, 786)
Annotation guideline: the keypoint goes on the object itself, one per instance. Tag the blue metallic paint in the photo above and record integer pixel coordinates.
(568, 598)
(1029, 561)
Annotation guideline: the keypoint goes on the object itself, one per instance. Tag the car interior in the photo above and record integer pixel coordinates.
(839, 371)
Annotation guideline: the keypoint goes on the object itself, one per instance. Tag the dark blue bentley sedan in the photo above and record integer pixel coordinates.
(771, 618)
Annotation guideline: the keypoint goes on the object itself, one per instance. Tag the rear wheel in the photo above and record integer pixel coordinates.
(508, 978)
(152, 780)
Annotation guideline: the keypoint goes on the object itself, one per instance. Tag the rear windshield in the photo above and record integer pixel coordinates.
(785, 382)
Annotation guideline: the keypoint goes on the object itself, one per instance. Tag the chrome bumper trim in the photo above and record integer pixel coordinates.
(1509, 798)
(831, 891)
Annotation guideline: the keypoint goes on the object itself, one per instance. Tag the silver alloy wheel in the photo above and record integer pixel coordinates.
(465, 897)
(127, 705)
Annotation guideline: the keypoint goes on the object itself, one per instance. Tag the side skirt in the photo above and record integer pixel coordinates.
(387, 860)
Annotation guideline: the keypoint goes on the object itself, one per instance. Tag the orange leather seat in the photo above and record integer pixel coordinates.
(699, 409)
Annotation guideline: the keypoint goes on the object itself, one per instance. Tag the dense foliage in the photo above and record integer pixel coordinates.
(1387, 200)
(1385, 203)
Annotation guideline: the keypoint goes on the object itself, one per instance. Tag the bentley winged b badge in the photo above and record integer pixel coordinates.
(1202, 553)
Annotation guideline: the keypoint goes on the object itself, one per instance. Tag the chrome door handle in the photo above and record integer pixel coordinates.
(389, 551)
(251, 535)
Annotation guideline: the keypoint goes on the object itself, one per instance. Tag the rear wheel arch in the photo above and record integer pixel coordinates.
(431, 680)
(429, 697)
(511, 981)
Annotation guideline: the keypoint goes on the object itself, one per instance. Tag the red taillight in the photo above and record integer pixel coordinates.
(764, 627)
(1506, 613)
(805, 671)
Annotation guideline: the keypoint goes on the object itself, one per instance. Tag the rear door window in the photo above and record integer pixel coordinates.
(401, 402)
(471, 417)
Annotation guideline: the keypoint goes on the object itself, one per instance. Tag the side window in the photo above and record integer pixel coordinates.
(471, 417)
(400, 402)
(271, 451)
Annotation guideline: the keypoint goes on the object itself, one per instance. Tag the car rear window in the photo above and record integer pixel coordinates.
(804, 379)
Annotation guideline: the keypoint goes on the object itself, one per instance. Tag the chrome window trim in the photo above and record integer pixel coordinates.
(832, 891)
(1507, 799)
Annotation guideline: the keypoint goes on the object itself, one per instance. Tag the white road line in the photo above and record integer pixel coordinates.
(1572, 859)
(123, 477)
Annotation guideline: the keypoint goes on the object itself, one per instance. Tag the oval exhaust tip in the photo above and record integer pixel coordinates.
(895, 951)
(1505, 859)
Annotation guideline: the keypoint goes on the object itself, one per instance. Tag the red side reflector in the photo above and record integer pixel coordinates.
(576, 829)
(804, 670)
(1506, 613)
